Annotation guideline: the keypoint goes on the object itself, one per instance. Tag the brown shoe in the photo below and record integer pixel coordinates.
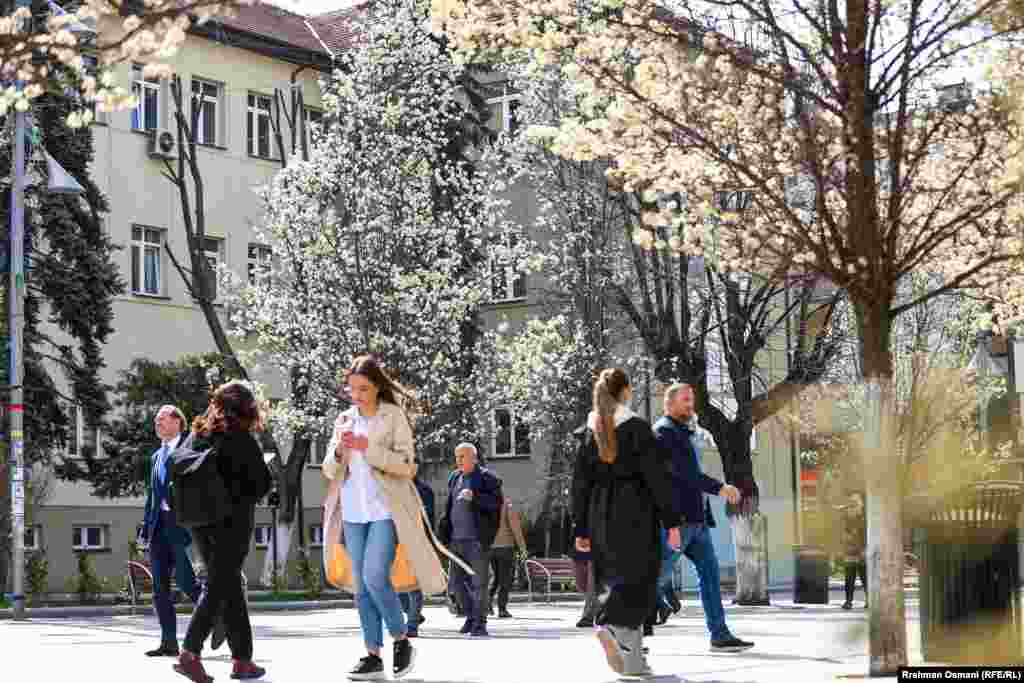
(191, 667)
(245, 670)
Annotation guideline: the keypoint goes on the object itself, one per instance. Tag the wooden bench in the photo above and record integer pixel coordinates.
(549, 570)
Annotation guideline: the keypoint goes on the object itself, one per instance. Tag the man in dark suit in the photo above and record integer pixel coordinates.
(168, 542)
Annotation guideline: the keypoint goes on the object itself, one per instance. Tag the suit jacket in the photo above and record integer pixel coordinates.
(391, 458)
(156, 494)
(486, 504)
(679, 444)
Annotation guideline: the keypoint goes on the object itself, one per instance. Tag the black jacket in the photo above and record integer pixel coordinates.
(427, 496)
(621, 506)
(240, 463)
(487, 498)
(689, 483)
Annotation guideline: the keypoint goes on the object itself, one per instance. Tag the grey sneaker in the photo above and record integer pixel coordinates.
(608, 637)
(622, 649)
(635, 665)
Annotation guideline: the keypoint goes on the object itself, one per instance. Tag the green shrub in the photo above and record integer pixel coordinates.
(87, 585)
(37, 569)
(308, 574)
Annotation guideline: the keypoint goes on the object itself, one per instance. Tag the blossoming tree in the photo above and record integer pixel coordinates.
(380, 239)
(837, 98)
(726, 335)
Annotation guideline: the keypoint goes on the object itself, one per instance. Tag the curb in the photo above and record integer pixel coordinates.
(71, 611)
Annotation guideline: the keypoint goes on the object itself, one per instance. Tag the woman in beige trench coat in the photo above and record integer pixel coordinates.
(370, 466)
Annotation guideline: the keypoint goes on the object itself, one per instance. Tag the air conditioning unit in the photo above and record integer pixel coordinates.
(163, 144)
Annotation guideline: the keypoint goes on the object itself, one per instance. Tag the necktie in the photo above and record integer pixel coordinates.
(161, 465)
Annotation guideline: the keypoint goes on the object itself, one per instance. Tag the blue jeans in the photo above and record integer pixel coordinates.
(166, 555)
(698, 548)
(372, 549)
(412, 605)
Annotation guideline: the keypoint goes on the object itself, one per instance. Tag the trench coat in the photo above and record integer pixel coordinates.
(390, 455)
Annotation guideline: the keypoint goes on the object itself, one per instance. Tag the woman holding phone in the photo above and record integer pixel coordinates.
(372, 497)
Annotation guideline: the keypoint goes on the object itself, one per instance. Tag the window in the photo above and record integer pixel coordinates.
(262, 535)
(213, 252)
(32, 537)
(205, 103)
(258, 263)
(317, 451)
(74, 434)
(502, 110)
(511, 437)
(146, 115)
(314, 118)
(146, 258)
(508, 283)
(257, 125)
(316, 534)
(88, 537)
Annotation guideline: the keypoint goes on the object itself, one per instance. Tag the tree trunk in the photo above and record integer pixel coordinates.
(750, 539)
(884, 477)
(281, 535)
(289, 479)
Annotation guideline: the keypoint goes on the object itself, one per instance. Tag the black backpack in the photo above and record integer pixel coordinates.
(198, 492)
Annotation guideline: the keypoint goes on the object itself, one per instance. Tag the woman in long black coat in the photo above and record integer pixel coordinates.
(622, 496)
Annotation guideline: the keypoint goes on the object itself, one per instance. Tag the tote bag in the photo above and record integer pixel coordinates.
(338, 565)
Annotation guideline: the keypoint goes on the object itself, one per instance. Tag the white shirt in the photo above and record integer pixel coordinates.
(361, 498)
(170, 446)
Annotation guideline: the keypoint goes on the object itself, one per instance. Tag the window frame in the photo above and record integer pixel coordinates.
(313, 543)
(204, 100)
(265, 543)
(37, 532)
(509, 121)
(258, 256)
(514, 424)
(139, 112)
(307, 121)
(218, 259)
(137, 268)
(84, 536)
(253, 113)
(510, 277)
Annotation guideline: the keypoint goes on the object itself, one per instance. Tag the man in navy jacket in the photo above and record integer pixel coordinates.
(168, 542)
(471, 519)
(678, 442)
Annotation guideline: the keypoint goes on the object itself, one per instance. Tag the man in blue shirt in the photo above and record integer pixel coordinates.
(168, 542)
(678, 441)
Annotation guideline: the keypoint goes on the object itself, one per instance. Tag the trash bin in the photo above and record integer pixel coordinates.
(969, 581)
(810, 584)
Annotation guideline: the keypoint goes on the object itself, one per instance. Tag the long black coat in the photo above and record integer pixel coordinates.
(620, 508)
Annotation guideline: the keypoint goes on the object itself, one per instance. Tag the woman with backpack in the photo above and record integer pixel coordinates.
(372, 503)
(621, 498)
(225, 433)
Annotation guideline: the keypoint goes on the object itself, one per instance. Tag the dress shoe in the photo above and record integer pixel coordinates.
(467, 627)
(585, 623)
(503, 614)
(165, 650)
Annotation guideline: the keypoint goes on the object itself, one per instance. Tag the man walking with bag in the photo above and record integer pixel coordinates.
(168, 542)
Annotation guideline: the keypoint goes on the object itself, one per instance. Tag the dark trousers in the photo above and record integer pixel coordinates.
(503, 563)
(852, 570)
(472, 590)
(585, 584)
(166, 556)
(224, 547)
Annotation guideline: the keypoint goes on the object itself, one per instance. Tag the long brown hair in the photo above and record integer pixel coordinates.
(388, 390)
(607, 394)
(233, 408)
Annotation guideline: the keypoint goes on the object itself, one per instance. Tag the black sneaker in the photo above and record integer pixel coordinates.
(847, 605)
(467, 627)
(404, 658)
(480, 631)
(730, 644)
(369, 668)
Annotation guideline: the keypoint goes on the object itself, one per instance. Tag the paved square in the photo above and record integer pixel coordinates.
(541, 643)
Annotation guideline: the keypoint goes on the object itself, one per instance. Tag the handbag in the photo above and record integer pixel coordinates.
(338, 568)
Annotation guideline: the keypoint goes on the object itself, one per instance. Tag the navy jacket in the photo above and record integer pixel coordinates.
(486, 504)
(155, 494)
(679, 444)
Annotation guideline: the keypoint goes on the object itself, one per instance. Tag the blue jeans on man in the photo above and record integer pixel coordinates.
(372, 547)
(472, 591)
(697, 546)
(167, 552)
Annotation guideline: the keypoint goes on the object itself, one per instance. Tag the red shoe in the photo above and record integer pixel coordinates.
(246, 670)
(191, 667)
